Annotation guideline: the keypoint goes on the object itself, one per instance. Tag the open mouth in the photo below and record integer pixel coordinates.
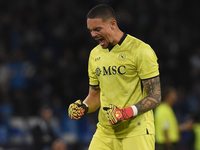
(101, 41)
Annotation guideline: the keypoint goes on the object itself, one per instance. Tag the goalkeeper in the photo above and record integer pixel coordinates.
(124, 84)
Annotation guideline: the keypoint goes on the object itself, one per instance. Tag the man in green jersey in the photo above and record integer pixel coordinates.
(124, 84)
(167, 128)
(166, 124)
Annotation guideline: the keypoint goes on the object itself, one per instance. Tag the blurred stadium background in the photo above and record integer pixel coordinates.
(44, 49)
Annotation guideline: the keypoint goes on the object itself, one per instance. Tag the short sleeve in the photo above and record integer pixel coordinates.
(146, 62)
(93, 80)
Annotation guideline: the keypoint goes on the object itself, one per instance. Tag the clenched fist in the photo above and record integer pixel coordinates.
(77, 109)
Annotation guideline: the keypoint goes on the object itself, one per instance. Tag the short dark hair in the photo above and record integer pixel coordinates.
(102, 11)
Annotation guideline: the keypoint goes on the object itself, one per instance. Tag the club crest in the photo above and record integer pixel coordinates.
(122, 56)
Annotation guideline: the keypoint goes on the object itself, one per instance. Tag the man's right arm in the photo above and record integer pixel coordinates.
(93, 98)
(91, 103)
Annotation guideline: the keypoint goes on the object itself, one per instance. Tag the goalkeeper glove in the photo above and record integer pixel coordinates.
(115, 114)
(77, 109)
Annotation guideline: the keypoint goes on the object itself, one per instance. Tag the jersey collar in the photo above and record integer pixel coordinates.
(119, 43)
(122, 39)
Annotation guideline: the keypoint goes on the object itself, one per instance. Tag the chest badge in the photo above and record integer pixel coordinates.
(98, 71)
(122, 56)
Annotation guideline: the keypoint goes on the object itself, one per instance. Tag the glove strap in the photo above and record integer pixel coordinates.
(85, 106)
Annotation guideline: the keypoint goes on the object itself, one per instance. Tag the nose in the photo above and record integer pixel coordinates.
(93, 34)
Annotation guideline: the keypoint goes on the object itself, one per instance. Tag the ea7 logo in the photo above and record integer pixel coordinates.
(98, 58)
(113, 70)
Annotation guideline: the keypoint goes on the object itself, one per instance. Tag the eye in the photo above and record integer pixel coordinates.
(98, 29)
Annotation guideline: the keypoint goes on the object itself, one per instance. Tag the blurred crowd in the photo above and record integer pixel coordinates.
(44, 50)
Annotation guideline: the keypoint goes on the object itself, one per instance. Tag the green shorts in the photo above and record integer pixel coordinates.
(141, 142)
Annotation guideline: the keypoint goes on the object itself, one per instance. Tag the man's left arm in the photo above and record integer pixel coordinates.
(153, 99)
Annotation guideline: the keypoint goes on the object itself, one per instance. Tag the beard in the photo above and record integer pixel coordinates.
(110, 46)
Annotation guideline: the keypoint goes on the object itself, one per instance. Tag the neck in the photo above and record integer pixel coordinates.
(119, 34)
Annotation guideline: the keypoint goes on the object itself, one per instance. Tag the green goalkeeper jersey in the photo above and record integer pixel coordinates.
(119, 72)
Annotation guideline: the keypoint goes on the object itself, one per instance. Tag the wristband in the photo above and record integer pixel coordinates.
(135, 110)
(85, 106)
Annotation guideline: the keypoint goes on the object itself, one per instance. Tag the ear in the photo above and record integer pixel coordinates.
(113, 24)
